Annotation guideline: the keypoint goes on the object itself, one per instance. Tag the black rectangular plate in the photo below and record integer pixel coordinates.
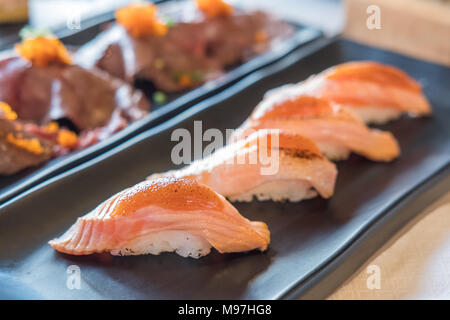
(11, 186)
(315, 245)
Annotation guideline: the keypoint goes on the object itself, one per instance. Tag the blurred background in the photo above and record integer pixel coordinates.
(418, 28)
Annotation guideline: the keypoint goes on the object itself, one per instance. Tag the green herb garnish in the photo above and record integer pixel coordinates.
(159, 97)
(170, 22)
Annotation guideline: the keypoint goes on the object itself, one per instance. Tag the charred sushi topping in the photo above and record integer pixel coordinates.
(168, 193)
(373, 72)
(31, 145)
(297, 142)
(163, 215)
(291, 143)
(215, 8)
(7, 112)
(42, 49)
(300, 154)
(140, 20)
(301, 107)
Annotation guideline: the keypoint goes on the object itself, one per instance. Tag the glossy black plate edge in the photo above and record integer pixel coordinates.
(333, 273)
(301, 38)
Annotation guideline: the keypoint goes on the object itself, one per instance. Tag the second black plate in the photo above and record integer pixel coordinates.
(175, 104)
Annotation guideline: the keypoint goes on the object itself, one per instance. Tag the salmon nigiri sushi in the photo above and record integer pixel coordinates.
(337, 131)
(377, 93)
(163, 215)
(268, 165)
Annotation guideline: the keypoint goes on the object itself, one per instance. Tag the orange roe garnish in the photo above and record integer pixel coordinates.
(18, 126)
(52, 127)
(67, 138)
(7, 111)
(31, 145)
(140, 20)
(215, 8)
(261, 36)
(43, 50)
(185, 80)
